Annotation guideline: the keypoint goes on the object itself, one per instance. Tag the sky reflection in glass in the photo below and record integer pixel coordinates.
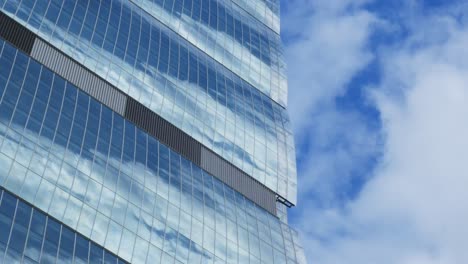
(97, 173)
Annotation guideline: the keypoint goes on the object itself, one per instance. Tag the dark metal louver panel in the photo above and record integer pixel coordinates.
(166, 132)
(16, 34)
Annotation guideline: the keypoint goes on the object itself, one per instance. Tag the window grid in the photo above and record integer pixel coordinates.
(34, 240)
(260, 47)
(266, 11)
(196, 106)
(80, 187)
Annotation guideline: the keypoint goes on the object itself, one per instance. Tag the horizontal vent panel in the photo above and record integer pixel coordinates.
(80, 77)
(238, 180)
(137, 113)
(16, 34)
(166, 132)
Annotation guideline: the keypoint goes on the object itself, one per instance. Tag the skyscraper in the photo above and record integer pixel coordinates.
(144, 131)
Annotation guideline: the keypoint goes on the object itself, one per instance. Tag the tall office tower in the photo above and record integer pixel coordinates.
(144, 131)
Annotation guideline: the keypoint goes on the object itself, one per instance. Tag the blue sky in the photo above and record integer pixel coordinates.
(378, 98)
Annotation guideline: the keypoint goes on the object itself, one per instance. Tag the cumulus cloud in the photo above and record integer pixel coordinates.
(326, 43)
(412, 207)
(326, 47)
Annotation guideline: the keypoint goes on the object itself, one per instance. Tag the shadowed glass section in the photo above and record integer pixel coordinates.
(34, 237)
(154, 65)
(97, 173)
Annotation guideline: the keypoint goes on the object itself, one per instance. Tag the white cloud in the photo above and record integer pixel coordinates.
(328, 47)
(413, 209)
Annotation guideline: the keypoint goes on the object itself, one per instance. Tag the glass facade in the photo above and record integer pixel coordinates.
(81, 183)
(266, 11)
(30, 236)
(231, 36)
(138, 54)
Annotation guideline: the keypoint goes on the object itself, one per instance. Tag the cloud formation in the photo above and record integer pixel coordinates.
(328, 43)
(411, 207)
(326, 47)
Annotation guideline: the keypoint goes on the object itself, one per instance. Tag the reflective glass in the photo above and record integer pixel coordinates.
(267, 11)
(198, 89)
(34, 237)
(231, 36)
(114, 215)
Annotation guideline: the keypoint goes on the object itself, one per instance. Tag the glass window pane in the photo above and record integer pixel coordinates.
(7, 211)
(81, 249)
